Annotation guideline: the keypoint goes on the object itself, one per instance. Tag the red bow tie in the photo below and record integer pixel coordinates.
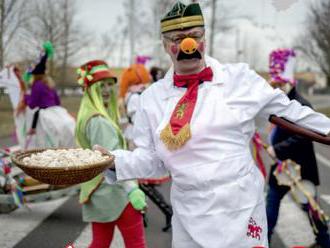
(189, 80)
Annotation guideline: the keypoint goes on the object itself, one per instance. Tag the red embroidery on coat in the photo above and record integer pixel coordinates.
(254, 230)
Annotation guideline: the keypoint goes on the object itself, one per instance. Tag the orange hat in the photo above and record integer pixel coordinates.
(94, 71)
(135, 74)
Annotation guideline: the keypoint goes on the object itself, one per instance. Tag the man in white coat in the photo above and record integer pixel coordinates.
(196, 124)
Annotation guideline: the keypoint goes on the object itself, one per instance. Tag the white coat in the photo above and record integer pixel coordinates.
(217, 191)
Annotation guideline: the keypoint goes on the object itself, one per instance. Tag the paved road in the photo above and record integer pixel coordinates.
(58, 223)
(293, 227)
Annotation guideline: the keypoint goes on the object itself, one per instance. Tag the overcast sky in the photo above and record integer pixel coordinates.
(94, 12)
(100, 15)
(285, 19)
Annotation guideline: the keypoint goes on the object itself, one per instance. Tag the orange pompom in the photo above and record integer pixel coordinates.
(188, 45)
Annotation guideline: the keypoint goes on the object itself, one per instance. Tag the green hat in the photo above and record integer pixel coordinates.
(182, 16)
(40, 68)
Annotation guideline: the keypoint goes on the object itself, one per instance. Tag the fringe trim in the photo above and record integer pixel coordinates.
(174, 142)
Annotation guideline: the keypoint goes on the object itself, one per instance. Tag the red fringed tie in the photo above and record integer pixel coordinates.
(177, 132)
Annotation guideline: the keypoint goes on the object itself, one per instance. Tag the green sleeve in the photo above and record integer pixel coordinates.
(100, 131)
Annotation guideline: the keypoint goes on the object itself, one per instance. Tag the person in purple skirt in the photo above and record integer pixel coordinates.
(51, 125)
(43, 93)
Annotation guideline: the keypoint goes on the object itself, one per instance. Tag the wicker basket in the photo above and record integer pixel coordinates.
(60, 175)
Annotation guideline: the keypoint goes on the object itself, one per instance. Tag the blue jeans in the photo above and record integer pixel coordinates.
(274, 196)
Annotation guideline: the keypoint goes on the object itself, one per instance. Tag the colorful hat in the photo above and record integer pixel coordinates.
(40, 67)
(134, 75)
(182, 16)
(94, 71)
(281, 66)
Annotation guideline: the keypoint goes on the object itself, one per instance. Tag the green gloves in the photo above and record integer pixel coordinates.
(138, 199)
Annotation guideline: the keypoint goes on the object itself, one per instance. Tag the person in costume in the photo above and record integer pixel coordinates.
(136, 75)
(51, 124)
(285, 145)
(43, 93)
(104, 205)
(133, 82)
(197, 124)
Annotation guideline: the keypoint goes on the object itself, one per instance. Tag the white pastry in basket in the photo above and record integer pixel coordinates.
(65, 158)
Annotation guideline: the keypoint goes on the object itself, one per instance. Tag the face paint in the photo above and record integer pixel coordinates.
(195, 55)
(174, 49)
(201, 46)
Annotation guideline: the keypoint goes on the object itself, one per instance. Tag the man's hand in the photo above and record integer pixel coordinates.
(104, 151)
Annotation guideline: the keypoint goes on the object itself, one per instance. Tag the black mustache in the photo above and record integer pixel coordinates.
(195, 55)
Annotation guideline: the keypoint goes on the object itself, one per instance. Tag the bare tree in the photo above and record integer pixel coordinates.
(12, 16)
(315, 42)
(140, 31)
(56, 21)
(213, 21)
(107, 44)
(222, 20)
(132, 29)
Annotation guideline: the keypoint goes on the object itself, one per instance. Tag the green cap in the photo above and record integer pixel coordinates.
(182, 16)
